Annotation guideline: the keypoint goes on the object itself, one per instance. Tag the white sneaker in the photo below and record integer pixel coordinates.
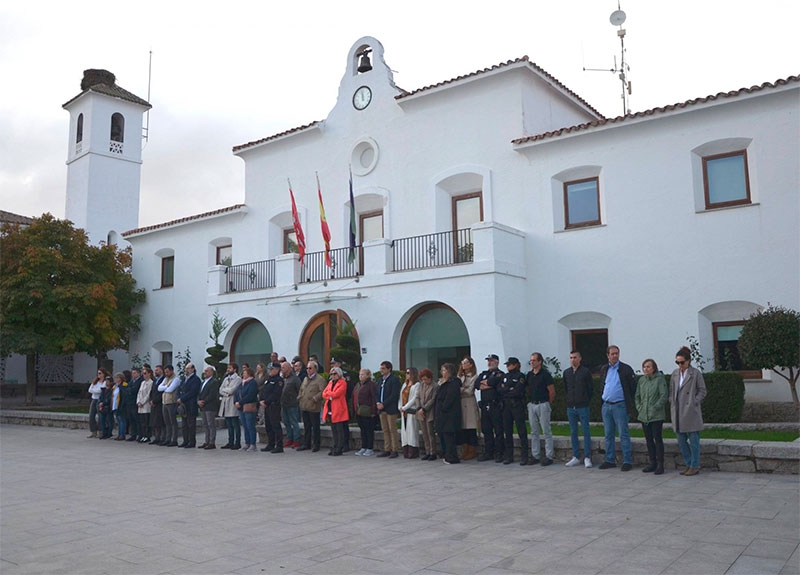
(587, 463)
(573, 462)
(368, 453)
(360, 452)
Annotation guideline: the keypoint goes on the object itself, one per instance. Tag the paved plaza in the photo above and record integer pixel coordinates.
(74, 505)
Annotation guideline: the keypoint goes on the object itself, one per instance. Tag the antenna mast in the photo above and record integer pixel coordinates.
(617, 18)
(146, 129)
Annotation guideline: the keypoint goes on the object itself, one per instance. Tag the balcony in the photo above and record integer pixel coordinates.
(432, 250)
(486, 247)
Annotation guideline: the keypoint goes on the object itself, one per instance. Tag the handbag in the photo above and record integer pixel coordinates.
(364, 411)
(328, 412)
(250, 407)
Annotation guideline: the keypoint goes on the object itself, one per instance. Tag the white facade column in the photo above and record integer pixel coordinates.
(287, 270)
(377, 256)
(217, 279)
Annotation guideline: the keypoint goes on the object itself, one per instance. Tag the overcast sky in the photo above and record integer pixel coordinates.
(226, 74)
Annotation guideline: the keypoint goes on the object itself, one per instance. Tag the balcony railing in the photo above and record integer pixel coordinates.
(432, 250)
(315, 270)
(251, 276)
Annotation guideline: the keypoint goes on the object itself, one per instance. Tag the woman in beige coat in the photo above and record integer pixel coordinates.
(425, 397)
(687, 389)
(467, 437)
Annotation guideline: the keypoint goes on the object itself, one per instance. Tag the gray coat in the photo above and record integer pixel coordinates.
(229, 386)
(685, 402)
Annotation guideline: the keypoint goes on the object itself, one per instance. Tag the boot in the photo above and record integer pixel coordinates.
(406, 452)
(659, 467)
(525, 458)
(413, 452)
(468, 452)
(651, 467)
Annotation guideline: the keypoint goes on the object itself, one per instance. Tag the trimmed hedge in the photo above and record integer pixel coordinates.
(723, 403)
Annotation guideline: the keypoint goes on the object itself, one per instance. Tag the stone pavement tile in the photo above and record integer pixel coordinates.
(347, 564)
(540, 561)
(646, 558)
(282, 564)
(220, 564)
(793, 564)
(747, 564)
(730, 533)
(771, 549)
(466, 563)
(696, 567)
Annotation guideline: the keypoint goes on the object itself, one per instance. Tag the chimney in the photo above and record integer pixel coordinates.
(93, 77)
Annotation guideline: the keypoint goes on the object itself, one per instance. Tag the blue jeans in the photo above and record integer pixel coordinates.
(291, 419)
(122, 422)
(690, 449)
(615, 417)
(573, 415)
(249, 424)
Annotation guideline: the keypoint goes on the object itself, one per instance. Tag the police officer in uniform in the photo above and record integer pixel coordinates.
(512, 393)
(271, 401)
(491, 410)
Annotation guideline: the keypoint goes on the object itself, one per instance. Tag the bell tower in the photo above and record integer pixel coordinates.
(104, 157)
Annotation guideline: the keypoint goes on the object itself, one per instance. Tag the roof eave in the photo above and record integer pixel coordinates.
(250, 146)
(171, 225)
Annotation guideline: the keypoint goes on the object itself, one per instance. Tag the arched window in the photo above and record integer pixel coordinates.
(433, 335)
(117, 127)
(251, 343)
(79, 130)
(319, 336)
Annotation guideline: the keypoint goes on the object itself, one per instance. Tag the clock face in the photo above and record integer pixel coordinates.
(362, 98)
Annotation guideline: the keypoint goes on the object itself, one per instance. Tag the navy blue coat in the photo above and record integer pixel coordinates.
(188, 392)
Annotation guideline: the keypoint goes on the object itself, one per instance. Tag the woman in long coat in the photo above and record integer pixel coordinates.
(651, 400)
(447, 411)
(409, 426)
(687, 389)
(468, 436)
(334, 408)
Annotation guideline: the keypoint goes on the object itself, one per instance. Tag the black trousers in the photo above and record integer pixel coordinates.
(492, 428)
(144, 425)
(189, 428)
(655, 443)
(132, 415)
(272, 423)
(338, 436)
(514, 413)
(449, 440)
(310, 428)
(367, 426)
(157, 422)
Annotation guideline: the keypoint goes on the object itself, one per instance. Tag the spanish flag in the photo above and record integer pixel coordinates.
(326, 232)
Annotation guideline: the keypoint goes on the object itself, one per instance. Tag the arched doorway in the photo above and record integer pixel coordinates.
(319, 336)
(434, 334)
(251, 343)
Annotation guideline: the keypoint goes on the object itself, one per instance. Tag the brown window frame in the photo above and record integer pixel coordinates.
(364, 216)
(166, 358)
(598, 221)
(744, 201)
(745, 373)
(593, 368)
(286, 233)
(163, 265)
(454, 202)
(221, 248)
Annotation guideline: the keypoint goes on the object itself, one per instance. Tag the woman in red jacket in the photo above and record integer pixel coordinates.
(334, 409)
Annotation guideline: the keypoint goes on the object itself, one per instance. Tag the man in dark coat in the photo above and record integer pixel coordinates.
(389, 410)
(208, 402)
(156, 414)
(447, 411)
(271, 402)
(187, 397)
(491, 410)
(131, 409)
(512, 393)
(619, 389)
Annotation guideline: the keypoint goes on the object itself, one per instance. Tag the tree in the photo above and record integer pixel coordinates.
(347, 347)
(770, 339)
(60, 295)
(216, 352)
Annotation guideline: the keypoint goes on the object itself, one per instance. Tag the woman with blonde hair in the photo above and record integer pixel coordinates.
(468, 436)
(409, 426)
(95, 389)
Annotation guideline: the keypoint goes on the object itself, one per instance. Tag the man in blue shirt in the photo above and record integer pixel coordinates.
(619, 388)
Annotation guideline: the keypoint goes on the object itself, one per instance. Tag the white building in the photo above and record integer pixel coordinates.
(498, 212)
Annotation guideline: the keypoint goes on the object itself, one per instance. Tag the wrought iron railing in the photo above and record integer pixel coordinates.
(251, 276)
(315, 270)
(432, 250)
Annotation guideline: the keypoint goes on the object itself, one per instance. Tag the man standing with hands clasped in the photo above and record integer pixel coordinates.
(619, 389)
(542, 393)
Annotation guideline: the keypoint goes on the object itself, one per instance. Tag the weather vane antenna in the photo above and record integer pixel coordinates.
(617, 18)
(146, 128)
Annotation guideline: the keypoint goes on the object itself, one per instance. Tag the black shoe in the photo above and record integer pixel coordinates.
(424, 457)
(393, 455)
(627, 467)
(384, 454)
(277, 450)
(431, 458)
(659, 468)
(508, 461)
(330, 452)
(337, 453)
(131, 438)
(486, 457)
(202, 446)
(525, 462)
(547, 461)
(235, 447)
(172, 444)
(607, 465)
(302, 448)
(267, 448)
(315, 449)
(534, 461)
(226, 446)
(650, 468)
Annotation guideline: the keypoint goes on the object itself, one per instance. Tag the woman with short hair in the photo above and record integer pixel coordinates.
(365, 396)
(334, 408)
(246, 401)
(651, 400)
(447, 411)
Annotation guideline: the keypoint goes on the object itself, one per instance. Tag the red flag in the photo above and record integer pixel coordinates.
(326, 232)
(298, 230)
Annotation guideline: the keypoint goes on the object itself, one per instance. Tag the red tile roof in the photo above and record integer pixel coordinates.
(11, 218)
(654, 111)
(533, 66)
(183, 220)
(114, 91)
(276, 136)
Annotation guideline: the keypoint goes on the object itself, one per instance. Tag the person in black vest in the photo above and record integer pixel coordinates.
(271, 402)
(491, 410)
(512, 393)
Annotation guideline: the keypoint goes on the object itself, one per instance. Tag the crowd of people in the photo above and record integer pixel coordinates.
(445, 412)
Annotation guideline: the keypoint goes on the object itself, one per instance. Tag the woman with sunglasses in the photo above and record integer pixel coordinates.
(687, 389)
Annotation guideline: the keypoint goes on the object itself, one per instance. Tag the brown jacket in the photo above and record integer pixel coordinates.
(310, 396)
(425, 397)
(685, 402)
